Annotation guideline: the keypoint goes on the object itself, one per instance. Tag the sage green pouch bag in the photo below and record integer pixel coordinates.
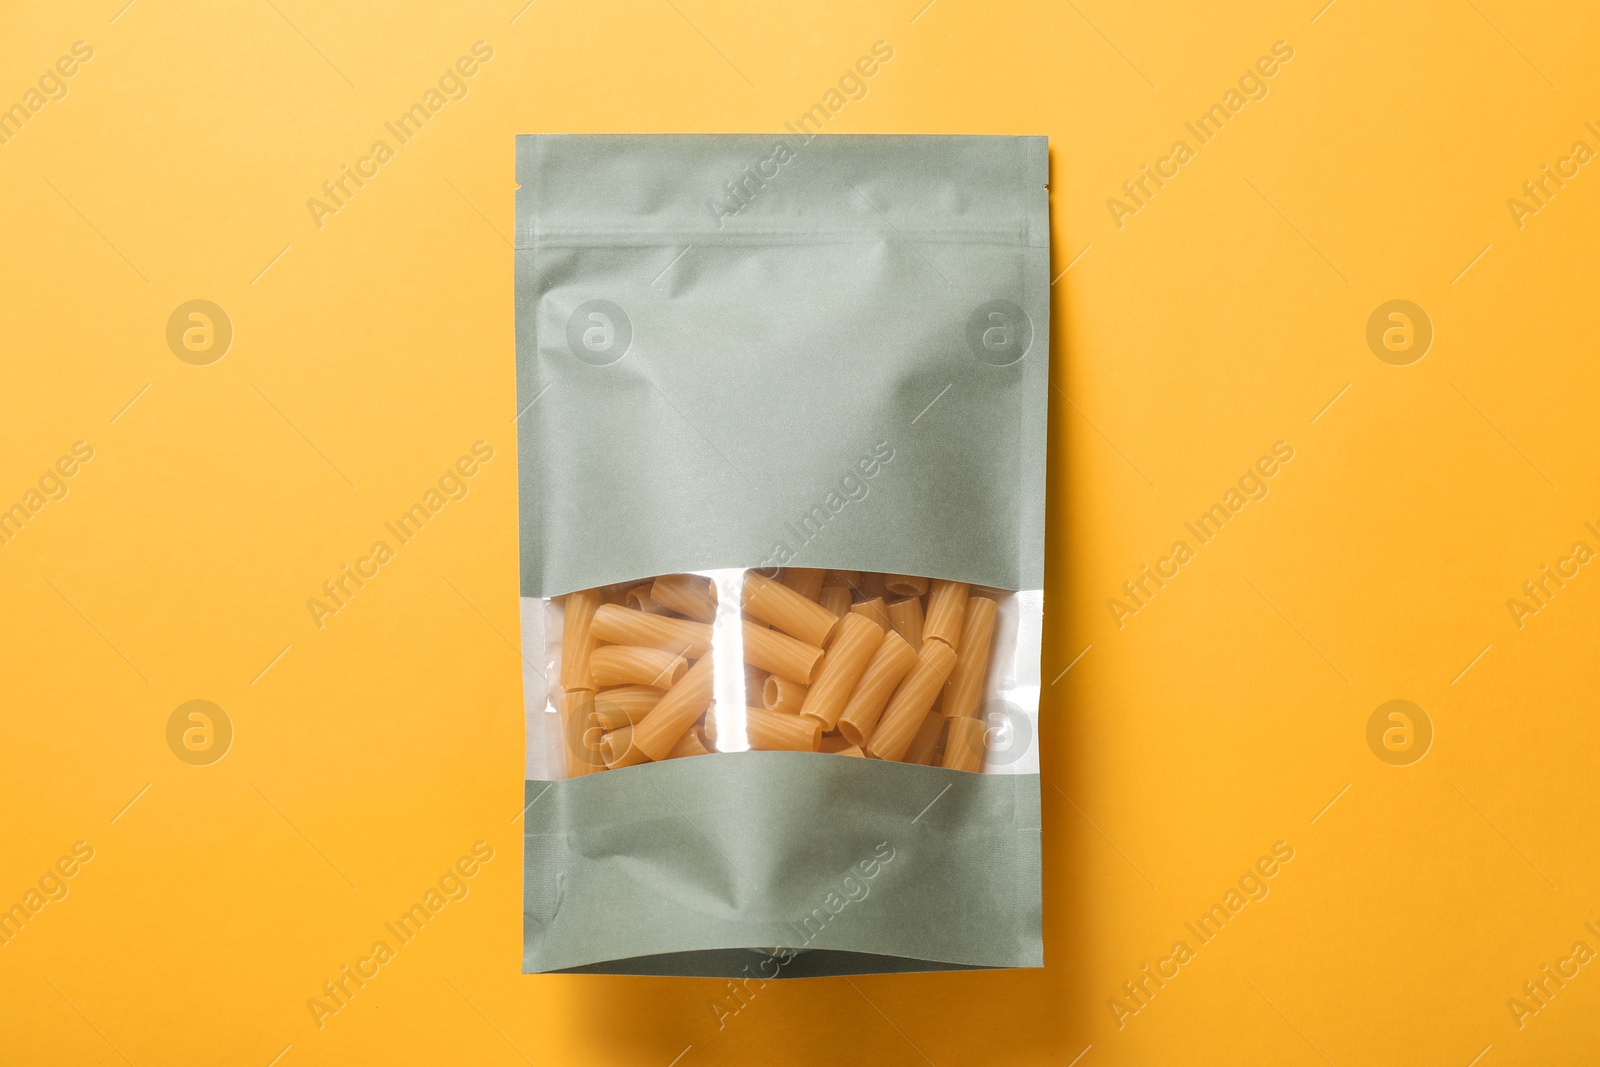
(804, 379)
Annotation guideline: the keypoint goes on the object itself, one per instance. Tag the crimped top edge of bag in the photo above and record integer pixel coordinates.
(737, 186)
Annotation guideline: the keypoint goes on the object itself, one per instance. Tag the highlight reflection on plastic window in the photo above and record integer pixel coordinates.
(727, 647)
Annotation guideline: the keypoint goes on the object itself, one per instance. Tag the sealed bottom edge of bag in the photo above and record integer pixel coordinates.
(781, 865)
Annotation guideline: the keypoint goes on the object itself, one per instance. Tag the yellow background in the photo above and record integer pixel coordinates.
(1229, 714)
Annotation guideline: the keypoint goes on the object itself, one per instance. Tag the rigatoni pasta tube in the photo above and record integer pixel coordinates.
(635, 664)
(577, 622)
(775, 603)
(807, 581)
(886, 669)
(623, 705)
(947, 610)
(858, 638)
(838, 746)
(778, 731)
(871, 585)
(774, 731)
(670, 719)
(620, 750)
(576, 707)
(605, 720)
(906, 618)
(965, 694)
(836, 598)
(782, 694)
(625, 626)
(910, 703)
(924, 747)
(779, 653)
(687, 594)
(638, 598)
(874, 610)
(963, 745)
(905, 584)
(688, 745)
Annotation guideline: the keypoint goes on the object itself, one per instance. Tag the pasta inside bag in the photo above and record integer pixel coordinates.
(781, 441)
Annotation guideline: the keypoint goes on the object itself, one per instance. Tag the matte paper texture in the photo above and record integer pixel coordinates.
(703, 387)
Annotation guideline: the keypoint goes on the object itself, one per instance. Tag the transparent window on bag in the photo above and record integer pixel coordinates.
(840, 664)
